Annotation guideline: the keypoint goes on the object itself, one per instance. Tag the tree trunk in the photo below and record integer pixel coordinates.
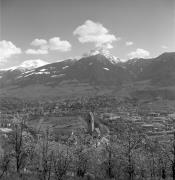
(173, 170)
(173, 165)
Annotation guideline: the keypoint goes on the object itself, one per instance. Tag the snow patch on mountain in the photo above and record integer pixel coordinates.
(43, 70)
(106, 69)
(41, 73)
(28, 75)
(33, 73)
(27, 72)
(65, 67)
(58, 75)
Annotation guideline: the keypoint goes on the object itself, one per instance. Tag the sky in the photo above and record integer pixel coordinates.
(53, 30)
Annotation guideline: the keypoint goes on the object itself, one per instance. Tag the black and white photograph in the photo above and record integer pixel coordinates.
(87, 89)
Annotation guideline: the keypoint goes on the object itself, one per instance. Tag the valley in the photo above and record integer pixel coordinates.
(98, 110)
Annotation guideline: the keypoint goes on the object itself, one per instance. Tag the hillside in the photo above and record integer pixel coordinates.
(96, 73)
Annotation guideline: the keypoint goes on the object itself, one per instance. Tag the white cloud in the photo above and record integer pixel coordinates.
(164, 47)
(38, 42)
(7, 49)
(129, 43)
(36, 51)
(52, 44)
(57, 44)
(139, 53)
(94, 32)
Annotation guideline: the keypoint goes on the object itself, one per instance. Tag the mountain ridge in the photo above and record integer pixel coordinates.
(95, 70)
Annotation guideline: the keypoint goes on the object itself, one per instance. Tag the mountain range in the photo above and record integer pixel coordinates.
(97, 70)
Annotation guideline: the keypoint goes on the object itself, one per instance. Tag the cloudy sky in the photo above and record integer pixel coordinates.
(53, 30)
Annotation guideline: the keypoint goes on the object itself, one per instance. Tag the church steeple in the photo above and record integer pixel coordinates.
(90, 122)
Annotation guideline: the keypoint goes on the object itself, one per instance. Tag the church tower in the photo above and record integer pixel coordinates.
(90, 122)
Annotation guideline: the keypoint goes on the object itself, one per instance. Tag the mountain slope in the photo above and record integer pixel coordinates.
(98, 69)
(95, 70)
(161, 70)
(93, 73)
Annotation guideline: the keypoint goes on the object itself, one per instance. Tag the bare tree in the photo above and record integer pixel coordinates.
(45, 157)
(108, 164)
(81, 150)
(61, 163)
(17, 142)
(4, 164)
(168, 149)
(132, 141)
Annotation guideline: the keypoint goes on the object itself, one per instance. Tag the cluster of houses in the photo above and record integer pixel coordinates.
(108, 109)
(153, 123)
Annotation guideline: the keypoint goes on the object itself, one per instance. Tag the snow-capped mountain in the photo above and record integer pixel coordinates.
(96, 68)
(104, 52)
(99, 67)
(27, 65)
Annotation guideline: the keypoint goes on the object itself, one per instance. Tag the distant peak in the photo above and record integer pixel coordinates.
(28, 65)
(104, 52)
